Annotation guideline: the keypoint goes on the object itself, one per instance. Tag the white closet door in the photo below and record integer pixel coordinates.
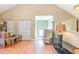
(10, 26)
(25, 29)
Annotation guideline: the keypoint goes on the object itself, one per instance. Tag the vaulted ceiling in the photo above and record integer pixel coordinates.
(67, 7)
(70, 9)
(5, 7)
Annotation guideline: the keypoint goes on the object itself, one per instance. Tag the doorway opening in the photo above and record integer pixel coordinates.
(41, 23)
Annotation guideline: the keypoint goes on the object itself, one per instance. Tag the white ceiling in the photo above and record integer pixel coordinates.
(69, 8)
(4, 7)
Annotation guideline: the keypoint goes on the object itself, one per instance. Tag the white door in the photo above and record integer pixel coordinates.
(25, 29)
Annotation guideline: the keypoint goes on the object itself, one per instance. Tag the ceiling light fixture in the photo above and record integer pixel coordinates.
(76, 7)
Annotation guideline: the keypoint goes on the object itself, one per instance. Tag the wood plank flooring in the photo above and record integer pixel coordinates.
(29, 47)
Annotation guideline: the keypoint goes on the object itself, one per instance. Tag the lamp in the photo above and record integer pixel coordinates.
(61, 27)
(76, 7)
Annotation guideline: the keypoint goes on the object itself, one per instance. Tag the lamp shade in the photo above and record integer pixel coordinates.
(61, 27)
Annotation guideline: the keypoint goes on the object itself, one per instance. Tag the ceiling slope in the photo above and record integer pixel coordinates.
(69, 8)
(4, 7)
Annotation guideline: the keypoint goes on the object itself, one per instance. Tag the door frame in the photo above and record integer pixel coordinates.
(51, 17)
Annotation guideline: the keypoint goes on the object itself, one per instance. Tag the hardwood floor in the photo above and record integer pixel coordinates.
(29, 47)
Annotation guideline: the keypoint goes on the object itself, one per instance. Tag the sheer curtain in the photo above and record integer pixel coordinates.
(10, 26)
(25, 29)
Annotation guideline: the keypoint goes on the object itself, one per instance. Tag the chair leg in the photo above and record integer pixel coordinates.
(4, 45)
(9, 43)
(13, 43)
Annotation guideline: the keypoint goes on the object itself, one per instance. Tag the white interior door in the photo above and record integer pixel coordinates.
(25, 29)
